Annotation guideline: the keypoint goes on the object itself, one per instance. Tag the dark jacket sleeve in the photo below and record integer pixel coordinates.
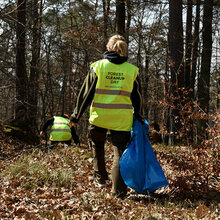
(47, 123)
(136, 99)
(85, 96)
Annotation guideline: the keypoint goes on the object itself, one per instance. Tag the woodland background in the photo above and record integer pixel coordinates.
(46, 48)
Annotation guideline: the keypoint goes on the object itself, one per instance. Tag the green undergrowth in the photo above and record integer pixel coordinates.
(39, 168)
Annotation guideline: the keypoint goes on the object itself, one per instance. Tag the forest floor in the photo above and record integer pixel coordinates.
(59, 185)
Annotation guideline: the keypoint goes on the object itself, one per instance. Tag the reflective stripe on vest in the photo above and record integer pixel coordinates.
(60, 130)
(64, 130)
(112, 92)
(112, 107)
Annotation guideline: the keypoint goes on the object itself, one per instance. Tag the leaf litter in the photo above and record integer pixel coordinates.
(59, 185)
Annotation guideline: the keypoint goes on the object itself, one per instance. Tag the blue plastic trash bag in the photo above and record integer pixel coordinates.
(139, 166)
(146, 126)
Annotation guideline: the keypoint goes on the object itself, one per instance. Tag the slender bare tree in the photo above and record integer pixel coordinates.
(195, 43)
(188, 44)
(204, 76)
(175, 41)
(36, 10)
(21, 73)
(120, 16)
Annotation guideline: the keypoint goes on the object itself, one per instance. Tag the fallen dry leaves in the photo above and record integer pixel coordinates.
(59, 185)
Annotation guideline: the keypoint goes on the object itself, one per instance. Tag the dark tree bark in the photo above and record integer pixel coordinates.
(188, 45)
(186, 101)
(190, 75)
(35, 63)
(166, 121)
(22, 119)
(69, 97)
(105, 18)
(204, 76)
(128, 2)
(120, 17)
(21, 74)
(218, 92)
(144, 84)
(195, 49)
(175, 42)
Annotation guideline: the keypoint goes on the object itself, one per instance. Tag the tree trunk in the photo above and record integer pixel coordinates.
(21, 74)
(218, 94)
(188, 45)
(105, 28)
(70, 90)
(204, 76)
(128, 2)
(193, 68)
(186, 101)
(144, 87)
(22, 119)
(35, 64)
(166, 97)
(120, 17)
(175, 42)
(195, 50)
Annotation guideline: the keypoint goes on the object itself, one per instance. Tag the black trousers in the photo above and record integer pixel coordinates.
(119, 140)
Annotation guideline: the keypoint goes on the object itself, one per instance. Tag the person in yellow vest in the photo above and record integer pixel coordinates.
(60, 131)
(113, 90)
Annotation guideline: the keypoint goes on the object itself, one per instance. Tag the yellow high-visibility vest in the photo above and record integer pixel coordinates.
(112, 106)
(60, 130)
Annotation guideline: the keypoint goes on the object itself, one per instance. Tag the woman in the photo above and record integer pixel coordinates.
(114, 91)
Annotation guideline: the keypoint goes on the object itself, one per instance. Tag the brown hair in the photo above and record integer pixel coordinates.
(117, 43)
